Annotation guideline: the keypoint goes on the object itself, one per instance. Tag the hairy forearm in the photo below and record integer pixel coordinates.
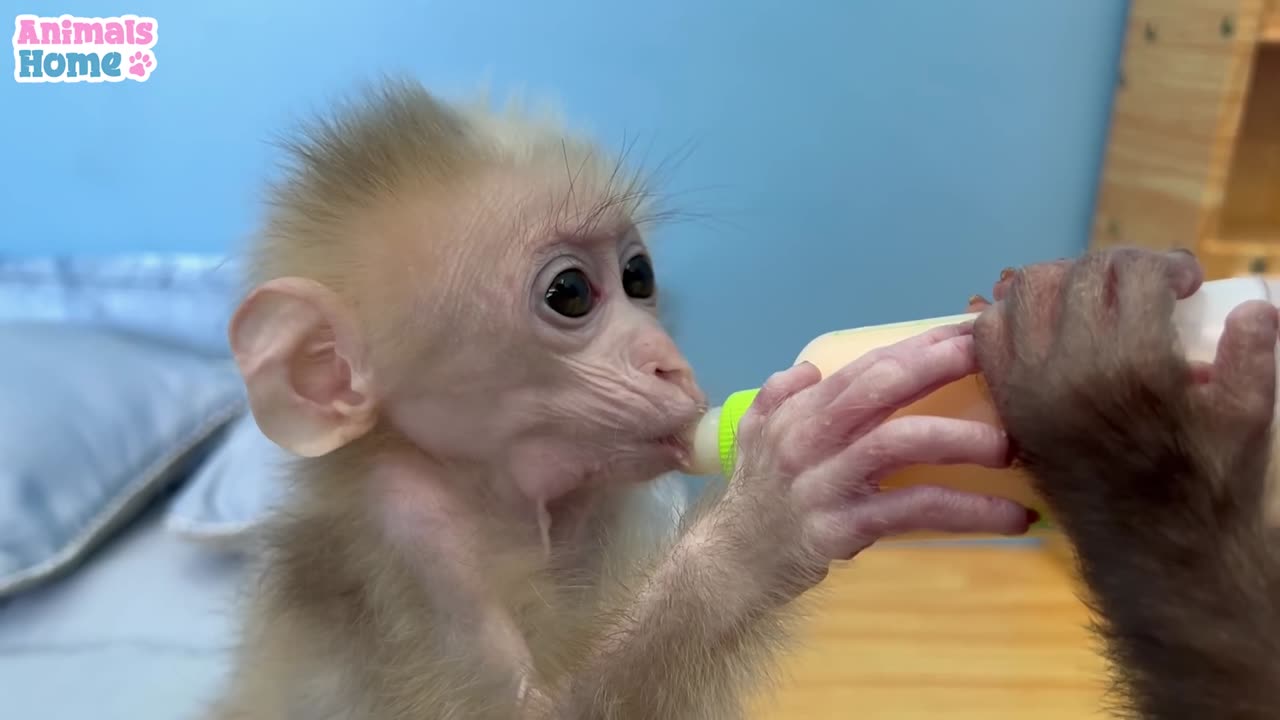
(685, 646)
(1193, 636)
(1183, 580)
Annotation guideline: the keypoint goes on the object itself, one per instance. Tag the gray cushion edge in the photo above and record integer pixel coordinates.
(125, 505)
(212, 529)
(230, 534)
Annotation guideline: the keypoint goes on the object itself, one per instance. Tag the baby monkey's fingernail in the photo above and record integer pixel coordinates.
(1006, 273)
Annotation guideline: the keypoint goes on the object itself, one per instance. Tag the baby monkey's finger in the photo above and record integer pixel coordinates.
(902, 350)
(857, 470)
(778, 389)
(898, 378)
(926, 440)
(841, 535)
(905, 348)
(782, 385)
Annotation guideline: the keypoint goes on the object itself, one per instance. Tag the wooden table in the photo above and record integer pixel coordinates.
(946, 633)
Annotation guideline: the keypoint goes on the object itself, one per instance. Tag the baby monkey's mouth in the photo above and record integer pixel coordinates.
(674, 445)
(670, 441)
(674, 441)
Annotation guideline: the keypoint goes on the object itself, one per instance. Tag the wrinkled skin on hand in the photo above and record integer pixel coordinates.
(1156, 469)
(1092, 344)
(1052, 308)
(807, 492)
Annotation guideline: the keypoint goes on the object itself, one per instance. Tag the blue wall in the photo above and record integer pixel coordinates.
(857, 161)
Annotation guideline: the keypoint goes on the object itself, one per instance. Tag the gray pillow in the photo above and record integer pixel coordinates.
(93, 424)
(184, 299)
(241, 483)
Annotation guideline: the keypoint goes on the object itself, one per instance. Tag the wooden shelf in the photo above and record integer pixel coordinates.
(1194, 150)
(1260, 242)
(1242, 254)
(1271, 25)
(1251, 195)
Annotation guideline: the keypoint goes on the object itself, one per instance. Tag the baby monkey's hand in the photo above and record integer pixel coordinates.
(814, 450)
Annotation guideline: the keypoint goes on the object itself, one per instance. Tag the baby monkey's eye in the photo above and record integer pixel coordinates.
(570, 294)
(637, 277)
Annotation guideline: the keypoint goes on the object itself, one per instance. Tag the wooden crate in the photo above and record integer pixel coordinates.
(1193, 158)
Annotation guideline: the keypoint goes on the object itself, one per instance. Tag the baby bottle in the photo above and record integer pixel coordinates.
(1198, 318)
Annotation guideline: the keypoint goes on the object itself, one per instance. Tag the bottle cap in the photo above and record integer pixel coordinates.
(734, 407)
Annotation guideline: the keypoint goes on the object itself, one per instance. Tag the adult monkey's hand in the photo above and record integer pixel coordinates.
(1184, 269)
(1155, 469)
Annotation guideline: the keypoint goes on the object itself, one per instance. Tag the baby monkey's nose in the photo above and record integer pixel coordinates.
(656, 354)
(678, 373)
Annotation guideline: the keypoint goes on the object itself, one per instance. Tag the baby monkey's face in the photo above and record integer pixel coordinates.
(558, 365)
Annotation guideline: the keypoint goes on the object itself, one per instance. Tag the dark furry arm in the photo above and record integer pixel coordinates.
(1157, 473)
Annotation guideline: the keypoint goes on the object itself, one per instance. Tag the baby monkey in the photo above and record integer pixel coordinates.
(453, 324)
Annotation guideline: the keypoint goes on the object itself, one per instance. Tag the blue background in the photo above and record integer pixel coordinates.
(854, 162)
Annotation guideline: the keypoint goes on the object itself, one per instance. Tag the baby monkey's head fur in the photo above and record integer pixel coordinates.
(472, 282)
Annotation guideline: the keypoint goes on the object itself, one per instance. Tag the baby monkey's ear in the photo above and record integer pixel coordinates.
(303, 362)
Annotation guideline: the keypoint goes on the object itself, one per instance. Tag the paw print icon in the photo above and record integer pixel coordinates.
(140, 65)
